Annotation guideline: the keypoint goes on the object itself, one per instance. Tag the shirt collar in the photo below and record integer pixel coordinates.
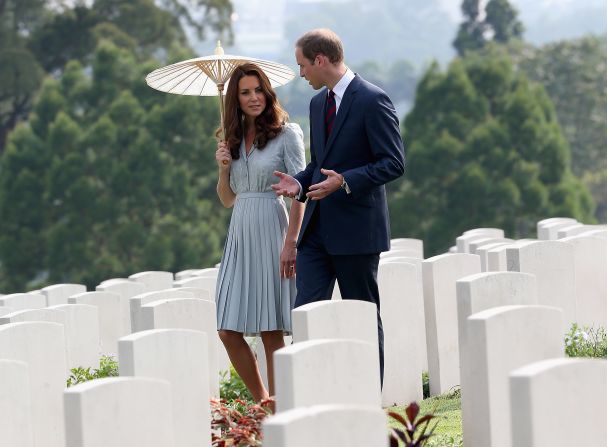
(342, 85)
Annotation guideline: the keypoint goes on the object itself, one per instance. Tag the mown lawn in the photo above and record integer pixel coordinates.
(448, 432)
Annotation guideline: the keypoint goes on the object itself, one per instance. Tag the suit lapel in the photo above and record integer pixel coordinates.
(340, 118)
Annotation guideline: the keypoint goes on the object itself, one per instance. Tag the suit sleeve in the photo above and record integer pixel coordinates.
(383, 133)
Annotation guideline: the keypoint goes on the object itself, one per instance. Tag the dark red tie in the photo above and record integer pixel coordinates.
(330, 115)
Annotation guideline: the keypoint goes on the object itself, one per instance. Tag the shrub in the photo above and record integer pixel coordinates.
(233, 388)
(108, 367)
(586, 342)
(238, 423)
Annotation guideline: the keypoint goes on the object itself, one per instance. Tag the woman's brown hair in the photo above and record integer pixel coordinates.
(267, 125)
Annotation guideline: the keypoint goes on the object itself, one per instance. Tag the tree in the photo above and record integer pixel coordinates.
(109, 177)
(574, 74)
(502, 20)
(485, 149)
(470, 35)
(216, 15)
(35, 39)
(500, 24)
(20, 73)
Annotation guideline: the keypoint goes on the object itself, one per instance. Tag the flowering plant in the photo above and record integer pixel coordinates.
(238, 423)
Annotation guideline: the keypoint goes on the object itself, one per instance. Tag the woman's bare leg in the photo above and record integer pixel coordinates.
(272, 341)
(244, 362)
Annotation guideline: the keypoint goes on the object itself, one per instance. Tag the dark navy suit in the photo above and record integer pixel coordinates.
(342, 234)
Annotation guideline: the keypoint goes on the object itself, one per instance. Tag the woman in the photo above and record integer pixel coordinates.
(255, 284)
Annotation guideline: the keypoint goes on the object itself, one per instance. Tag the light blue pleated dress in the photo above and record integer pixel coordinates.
(251, 296)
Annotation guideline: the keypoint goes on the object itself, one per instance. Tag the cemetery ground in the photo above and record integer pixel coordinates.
(447, 407)
(486, 327)
(447, 426)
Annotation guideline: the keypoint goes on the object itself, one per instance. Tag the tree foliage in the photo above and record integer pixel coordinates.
(109, 177)
(499, 24)
(35, 39)
(574, 74)
(485, 150)
(20, 73)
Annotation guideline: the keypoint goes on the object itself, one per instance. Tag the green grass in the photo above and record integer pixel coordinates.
(447, 407)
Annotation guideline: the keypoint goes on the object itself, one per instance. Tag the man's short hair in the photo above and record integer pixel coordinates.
(321, 41)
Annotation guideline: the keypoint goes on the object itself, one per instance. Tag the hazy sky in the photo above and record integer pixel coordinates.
(453, 6)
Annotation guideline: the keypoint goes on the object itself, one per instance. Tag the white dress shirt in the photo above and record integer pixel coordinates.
(340, 88)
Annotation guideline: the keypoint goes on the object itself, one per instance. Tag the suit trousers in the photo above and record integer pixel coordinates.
(317, 271)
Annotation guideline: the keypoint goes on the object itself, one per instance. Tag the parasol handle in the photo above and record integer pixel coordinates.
(221, 113)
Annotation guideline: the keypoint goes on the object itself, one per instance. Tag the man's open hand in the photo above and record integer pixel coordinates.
(287, 185)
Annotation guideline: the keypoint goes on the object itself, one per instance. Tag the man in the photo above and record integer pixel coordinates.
(356, 148)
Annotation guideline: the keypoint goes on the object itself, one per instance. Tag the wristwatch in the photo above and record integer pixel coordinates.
(344, 185)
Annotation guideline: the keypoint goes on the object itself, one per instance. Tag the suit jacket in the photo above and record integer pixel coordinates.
(366, 147)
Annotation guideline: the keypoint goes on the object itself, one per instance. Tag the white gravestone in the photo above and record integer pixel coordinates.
(198, 293)
(549, 232)
(590, 259)
(327, 426)
(581, 229)
(126, 289)
(497, 341)
(23, 301)
(326, 372)
(184, 274)
(180, 357)
(475, 245)
(414, 245)
(6, 311)
(545, 222)
(559, 403)
(81, 334)
(479, 292)
(137, 301)
(203, 282)
(153, 281)
(343, 319)
(493, 232)
(15, 405)
(187, 313)
(483, 250)
(109, 318)
(463, 242)
(59, 293)
(440, 308)
(402, 312)
(553, 264)
(34, 315)
(42, 346)
(119, 412)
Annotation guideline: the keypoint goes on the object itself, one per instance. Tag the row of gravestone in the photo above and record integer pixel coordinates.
(510, 361)
(340, 375)
(437, 313)
(117, 308)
